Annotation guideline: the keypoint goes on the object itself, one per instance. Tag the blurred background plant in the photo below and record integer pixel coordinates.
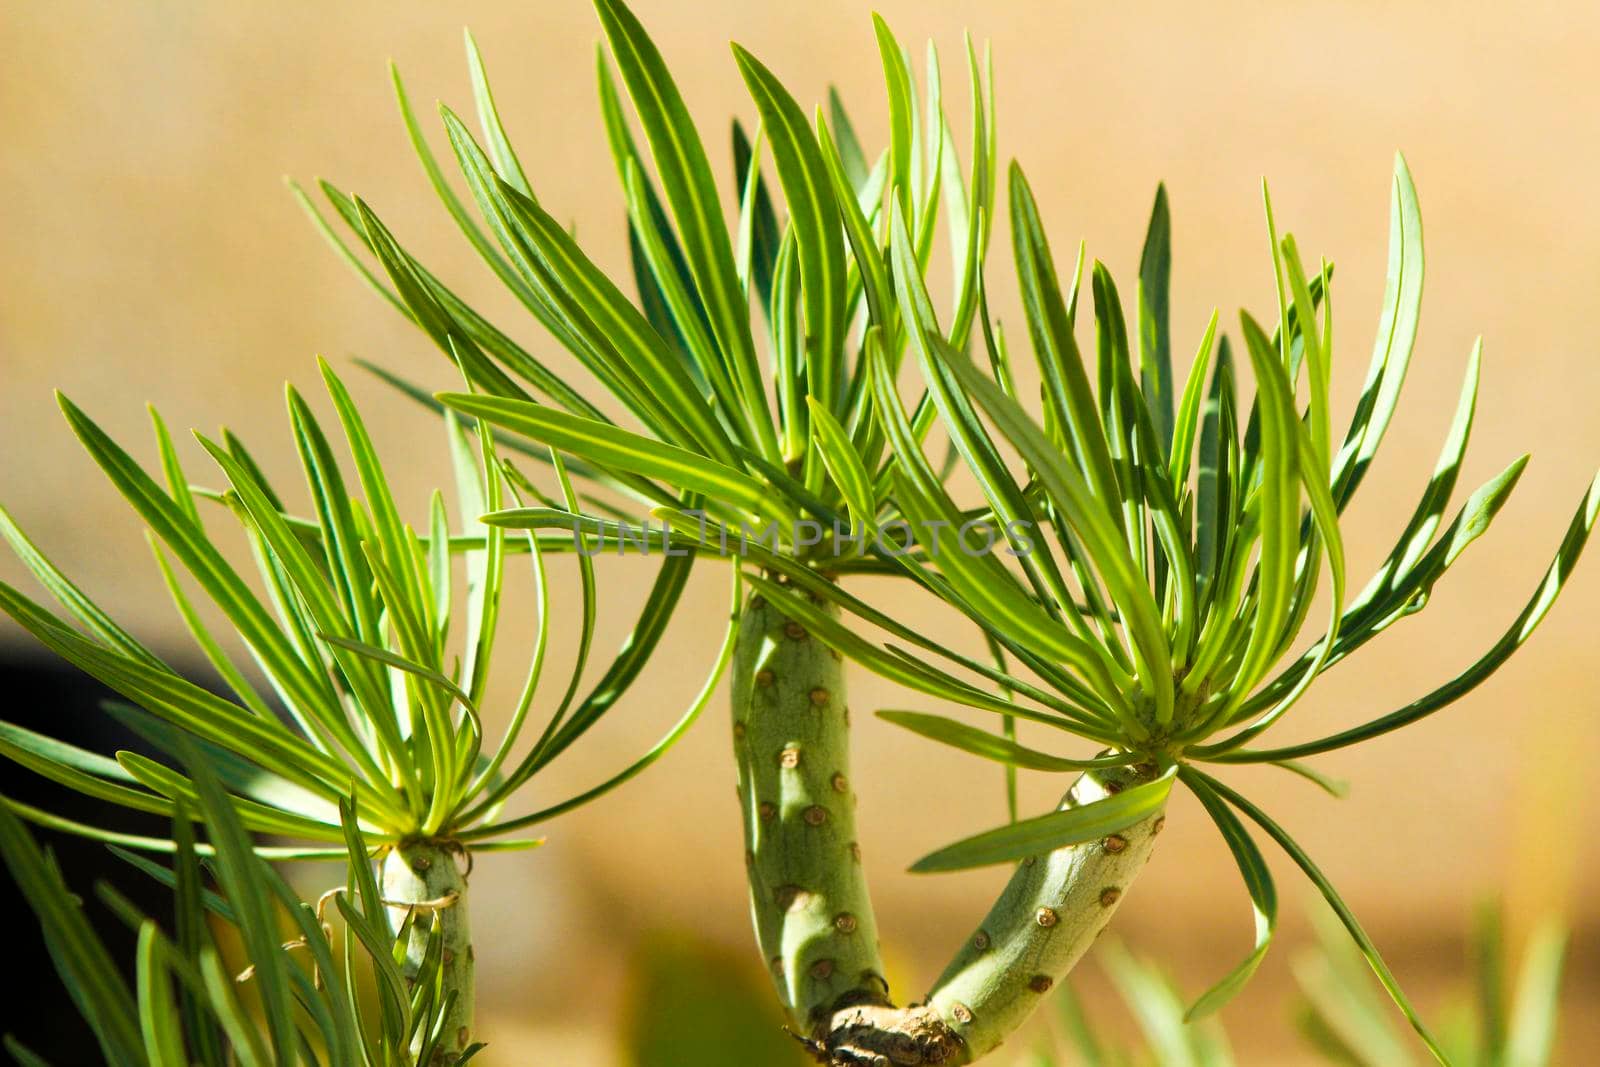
(1342, 1014)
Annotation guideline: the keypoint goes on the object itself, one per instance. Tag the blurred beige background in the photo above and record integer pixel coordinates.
(150, 252)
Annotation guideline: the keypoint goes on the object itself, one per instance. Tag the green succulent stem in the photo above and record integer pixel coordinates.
(423, 876)
(1050, 912)
(808, 891)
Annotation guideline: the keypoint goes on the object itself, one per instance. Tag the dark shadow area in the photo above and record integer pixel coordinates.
(54, 699)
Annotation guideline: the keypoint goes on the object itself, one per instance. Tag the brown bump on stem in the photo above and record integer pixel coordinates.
(855, 851)
(421, 863)
(794, 631)
(822, 969)
(1160, 824)
(776, 963)
(1041, 983)
(1114, 844)
(765, 678)
(819, 696)
(844, 922)
(767, 810)
(461, 1036)
(1029, 861)
(847, 716)
(738, 731)
(1046, 917)
(980, 940)
(836, 654)
(1113, 787)
(749, 858)
(449, 957)
(841, 784)
(471, 955)
(815, 815)
(1109, 896)
(960, 1013)
(789, 757)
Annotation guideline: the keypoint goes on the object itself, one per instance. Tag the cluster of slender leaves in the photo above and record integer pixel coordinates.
(357, 640)
(1175, 543)
(304, 997)
(740, 446)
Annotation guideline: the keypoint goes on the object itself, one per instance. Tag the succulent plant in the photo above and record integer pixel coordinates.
(371, 662)
(1149, 558)
(1161, 552)
(1172, 566)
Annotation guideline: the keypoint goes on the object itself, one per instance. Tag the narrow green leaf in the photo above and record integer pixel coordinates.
(814, 218)
(239, 877)
(1279, 501)
(758, 222)
(505, 157)
(1058, 829)
(1188, 417)
(1335, 901)
(844, 465)
(1000, 749)
(613, 447)
(158, 1012)
(80, 957)
(692, 194)
(70, 597)
(1397, 333)
(902, 117)
(1155, 319)
(1257, 881)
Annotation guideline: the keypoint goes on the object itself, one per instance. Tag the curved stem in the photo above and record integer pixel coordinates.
(808, 892)
(1044, 921)
(422, 876)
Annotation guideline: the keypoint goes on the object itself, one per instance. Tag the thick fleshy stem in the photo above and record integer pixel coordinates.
(1045, 920)
(423, 876)
(808, 891)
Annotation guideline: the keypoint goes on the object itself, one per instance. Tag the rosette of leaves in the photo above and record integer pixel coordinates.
(1171, 548)
(371, 660)
(303, 998)
(778, 461)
